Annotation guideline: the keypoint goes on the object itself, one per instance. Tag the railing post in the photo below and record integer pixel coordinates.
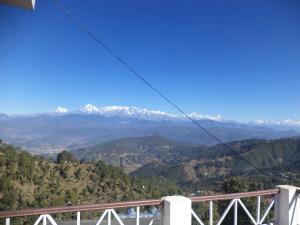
(258, 210)
(137, 215)
(177, 210)
(287, 208)
(211, 213)
(235, 218)
(109, 217)
(7, 221)
(44, 220)
(78, 218)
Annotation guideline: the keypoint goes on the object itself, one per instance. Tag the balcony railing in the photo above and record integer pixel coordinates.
(236, 200)
(173, 210)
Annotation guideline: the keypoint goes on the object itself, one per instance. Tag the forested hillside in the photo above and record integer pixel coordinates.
(132, 153)
(210, 166)
(263, 153)
(27, 181)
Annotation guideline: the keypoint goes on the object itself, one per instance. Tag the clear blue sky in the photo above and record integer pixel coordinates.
(237, 58)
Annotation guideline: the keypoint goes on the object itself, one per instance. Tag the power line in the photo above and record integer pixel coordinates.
(147, 83)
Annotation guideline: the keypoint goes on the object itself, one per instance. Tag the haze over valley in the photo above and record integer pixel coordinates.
(52, 132)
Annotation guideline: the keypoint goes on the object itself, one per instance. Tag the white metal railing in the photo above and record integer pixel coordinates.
(170, 210)
(235, 203)
(107, 215)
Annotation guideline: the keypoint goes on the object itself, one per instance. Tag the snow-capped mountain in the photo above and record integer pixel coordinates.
(197, 116)
(68, 129)
(142, 113)
(125, 111)
(146, 114)
(89, 108)
(60, 109)
(287, 122)
(291, 122)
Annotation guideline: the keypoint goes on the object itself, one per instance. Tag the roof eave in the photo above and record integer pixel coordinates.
(27, 4)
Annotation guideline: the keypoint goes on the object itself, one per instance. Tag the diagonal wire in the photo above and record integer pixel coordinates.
(147, 83)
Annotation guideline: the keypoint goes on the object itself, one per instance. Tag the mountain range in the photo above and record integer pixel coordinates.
(142, 113)
(60, 129)
(133, 112)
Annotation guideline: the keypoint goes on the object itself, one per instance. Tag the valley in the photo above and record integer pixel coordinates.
(142, 167)
(190, 165)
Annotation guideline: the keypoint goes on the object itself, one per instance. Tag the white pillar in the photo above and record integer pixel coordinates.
(211, 213)
(137, 215)
(288, 205)
(78, 218)
(177, 211)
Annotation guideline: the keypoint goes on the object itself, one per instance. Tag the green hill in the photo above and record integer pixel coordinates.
(263, 154)
(213, 164)
(132, 153)
(27, 181)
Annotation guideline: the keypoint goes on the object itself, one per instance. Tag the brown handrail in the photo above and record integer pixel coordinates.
(234, 195)
(78, 208)
(129, 204)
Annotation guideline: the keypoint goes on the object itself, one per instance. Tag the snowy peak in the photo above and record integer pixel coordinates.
(197, 116)
(142, 113)
(146, 114)
(133, 112)
(125, 111)
(287, 122)
(88, 108)
(60, 109)
(157, 115)
(290, 122)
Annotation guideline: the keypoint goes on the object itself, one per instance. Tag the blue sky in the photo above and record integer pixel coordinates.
(240, 59)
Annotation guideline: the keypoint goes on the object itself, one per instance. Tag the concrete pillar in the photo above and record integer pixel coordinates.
(287, 207)
(177, 211)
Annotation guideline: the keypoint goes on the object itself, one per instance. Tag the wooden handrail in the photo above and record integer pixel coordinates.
(129, 204)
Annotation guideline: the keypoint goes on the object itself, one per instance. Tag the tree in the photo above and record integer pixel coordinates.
(8, 200)
(71, 196)
(5, 183)
(2, 160)
(25, 164)
(66, 156)
(64, 171)
(234, 185)
(79, 174)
